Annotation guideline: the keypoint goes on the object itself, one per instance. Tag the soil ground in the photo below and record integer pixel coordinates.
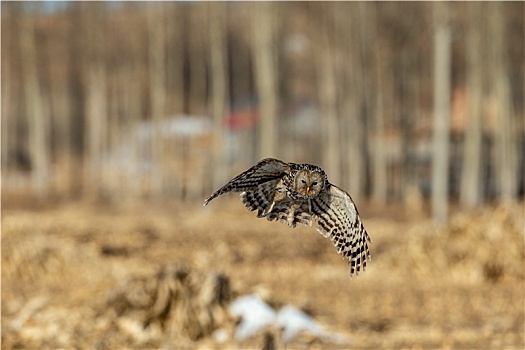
(460, 286)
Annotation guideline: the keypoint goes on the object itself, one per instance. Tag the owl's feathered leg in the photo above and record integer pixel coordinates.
(278, 195)
(267, 210)
(290, 218)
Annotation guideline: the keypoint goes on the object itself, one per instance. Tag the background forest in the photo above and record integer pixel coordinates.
(119, 118)
(171, 99)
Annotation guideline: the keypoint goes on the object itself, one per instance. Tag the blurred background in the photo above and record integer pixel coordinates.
(169, 100)
(415, 108)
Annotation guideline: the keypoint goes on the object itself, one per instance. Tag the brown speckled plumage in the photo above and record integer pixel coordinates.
(298, 194)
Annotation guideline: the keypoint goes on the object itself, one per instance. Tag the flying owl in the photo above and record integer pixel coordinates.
(298, 194)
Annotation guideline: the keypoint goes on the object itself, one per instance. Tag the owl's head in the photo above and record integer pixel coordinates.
(309, 183)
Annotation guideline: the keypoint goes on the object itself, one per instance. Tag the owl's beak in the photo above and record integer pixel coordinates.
(307, 189)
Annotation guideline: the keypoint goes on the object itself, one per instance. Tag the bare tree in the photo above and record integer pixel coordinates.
(505, 155)
(133, 101)
(77, 51)
(194, 175)
(35, 108)
(325, 61)
(8, 121)
(470, 191)
(157, 90)
(219, 88)
(197, 56)
(442, 72)
(62, 125)
(382, 85)
(175, 54)
(355, 99)
(96, 95)
(265, 68)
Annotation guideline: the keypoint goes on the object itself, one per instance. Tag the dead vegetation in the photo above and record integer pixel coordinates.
(150, 277)
(184, 303)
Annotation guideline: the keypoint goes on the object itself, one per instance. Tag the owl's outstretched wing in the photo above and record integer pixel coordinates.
(338, 218)
(266, 170)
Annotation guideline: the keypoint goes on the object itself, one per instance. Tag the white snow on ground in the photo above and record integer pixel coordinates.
(256, 315)
(294, 321)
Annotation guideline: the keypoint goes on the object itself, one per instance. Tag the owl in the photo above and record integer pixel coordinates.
(299, 194)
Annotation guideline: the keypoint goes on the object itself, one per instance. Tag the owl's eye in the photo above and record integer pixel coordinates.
(314, 183)
(303, 181)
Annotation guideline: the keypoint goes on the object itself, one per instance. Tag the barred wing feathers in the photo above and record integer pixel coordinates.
(261, 198)
(266, 170)
(338, 218)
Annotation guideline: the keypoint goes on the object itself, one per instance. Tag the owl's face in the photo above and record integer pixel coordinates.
(309, 183)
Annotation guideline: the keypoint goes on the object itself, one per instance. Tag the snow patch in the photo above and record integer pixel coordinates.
(256, 315)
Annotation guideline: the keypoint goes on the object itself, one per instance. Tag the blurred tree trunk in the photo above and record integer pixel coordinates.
(157, 90)
(62, 124)
(96, 125)
(442, 72)
(336, 92)
(175, 99)
(505, 142)
(113, 169)
(8, 136)
(330, 126)
(77, 51)
(175, 56)
(38, 123)
(96, 95)
(133, 104)
(264, 56)
(198, 45)
(354, 101)
(407, 92)
(61, 113)
(242, 143)
(133, 114)
(382, 83)
(219, 88)
(364, 19)
(470, 191)
(194, 159)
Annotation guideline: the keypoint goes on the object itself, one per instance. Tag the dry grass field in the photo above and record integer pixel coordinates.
(137, 276)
